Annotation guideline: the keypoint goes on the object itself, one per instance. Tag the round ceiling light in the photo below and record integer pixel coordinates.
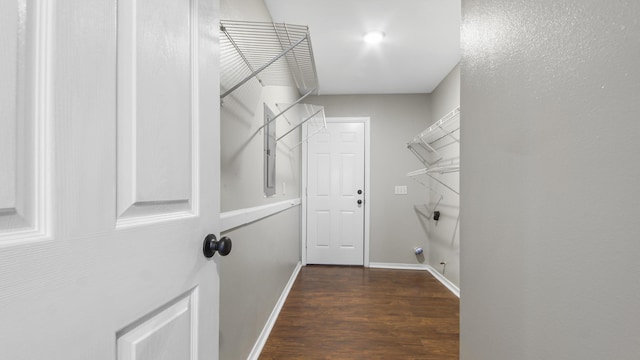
(373, 37)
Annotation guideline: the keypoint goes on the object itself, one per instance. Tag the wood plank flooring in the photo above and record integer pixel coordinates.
(340, 312)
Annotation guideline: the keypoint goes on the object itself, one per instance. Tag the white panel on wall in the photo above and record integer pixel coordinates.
(347, 235)
(170, 334)
(323, 230)
(156, 108)
(348, 174)
(324, 175)
(24, 99)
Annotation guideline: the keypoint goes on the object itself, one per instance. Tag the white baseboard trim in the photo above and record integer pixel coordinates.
(232, 219)
(394, 266)
(271, 321)
(446, 282)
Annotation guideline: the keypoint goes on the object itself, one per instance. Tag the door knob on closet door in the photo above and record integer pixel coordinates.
(359, 202)
(211, 245)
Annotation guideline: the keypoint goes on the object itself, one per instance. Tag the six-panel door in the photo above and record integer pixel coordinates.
(335, 208)
(108, 179)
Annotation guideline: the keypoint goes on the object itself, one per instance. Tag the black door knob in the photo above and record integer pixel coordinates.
(211, 245)
(359, 202)
(359, 192)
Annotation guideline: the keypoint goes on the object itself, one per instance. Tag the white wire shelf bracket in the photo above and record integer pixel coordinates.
(314, 133)
(444, 166)
(286, 108)
(273, 53)
(429, 173)
(300, 124)
(438, 196)
(431, 145)
(441, 134)
(313, 114)
(438, 149)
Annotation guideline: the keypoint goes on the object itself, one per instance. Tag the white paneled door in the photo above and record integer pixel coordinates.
(336, 194)
(109, 133)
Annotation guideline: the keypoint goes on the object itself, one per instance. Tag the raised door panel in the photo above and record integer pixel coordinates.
(156, 113)
(323, 228)
(323, 173)
(169, 334)
(10, 27)
(348, 175)
(24, 121)
(347, 238)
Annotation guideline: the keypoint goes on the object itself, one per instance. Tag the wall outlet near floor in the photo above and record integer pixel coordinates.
(401, 190)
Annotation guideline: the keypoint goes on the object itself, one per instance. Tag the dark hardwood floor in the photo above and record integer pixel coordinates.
(338, 312)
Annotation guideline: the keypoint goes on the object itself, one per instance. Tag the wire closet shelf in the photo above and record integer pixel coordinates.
(275, 54)
(433, 145)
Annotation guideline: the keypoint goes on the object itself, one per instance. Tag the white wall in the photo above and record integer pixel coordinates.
(266, 252)
(252, 278)
(550, 198)
(396, 228)
(446, 95)
(444, 235)
(242, 149)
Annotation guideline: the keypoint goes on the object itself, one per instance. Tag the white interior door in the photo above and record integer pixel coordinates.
(108, 179)
(336, 194)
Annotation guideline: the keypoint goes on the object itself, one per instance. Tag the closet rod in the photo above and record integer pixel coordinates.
(300, 124)
(256, 72)
(287, 109)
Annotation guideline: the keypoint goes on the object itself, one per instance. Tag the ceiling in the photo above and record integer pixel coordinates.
(421, 46)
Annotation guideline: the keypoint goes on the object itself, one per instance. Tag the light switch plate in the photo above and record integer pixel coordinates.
(401, 190)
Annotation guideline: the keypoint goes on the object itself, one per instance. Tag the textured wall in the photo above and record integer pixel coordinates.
(550, 200)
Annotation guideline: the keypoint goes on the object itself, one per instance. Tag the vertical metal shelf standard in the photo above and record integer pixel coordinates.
(273, 54)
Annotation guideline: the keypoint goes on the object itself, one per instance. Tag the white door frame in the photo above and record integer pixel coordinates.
(367, 188)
